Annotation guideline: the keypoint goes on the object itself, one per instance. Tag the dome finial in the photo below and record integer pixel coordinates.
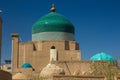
(53, 8)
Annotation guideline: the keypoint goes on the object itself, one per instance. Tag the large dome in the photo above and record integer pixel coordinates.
(102, 56)
(53, 22)
(53, 26)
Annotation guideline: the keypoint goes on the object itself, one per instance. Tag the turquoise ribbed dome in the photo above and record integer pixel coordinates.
(26, 65)
(53, 22)
(102, 56)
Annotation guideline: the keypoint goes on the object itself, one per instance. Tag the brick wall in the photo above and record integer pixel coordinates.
(77, 67)
(38, 53)
(78, 78)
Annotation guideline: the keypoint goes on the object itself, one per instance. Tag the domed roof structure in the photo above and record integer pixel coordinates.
(19, 76)
(53, 26)
(26, 65)
(102, 56)
(53, 22)
(50, 70)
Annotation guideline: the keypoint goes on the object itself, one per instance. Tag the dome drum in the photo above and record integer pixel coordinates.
(52, 36)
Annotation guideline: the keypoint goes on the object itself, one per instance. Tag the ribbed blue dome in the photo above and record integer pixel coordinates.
(26, 65)
(102, 56)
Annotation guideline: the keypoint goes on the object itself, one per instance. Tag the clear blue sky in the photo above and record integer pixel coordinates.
(97, 22)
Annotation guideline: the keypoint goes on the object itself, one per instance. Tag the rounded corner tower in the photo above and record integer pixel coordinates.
(53, 26)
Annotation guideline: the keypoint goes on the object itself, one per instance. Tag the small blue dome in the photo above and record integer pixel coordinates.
(26, 65)
(102, 56)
